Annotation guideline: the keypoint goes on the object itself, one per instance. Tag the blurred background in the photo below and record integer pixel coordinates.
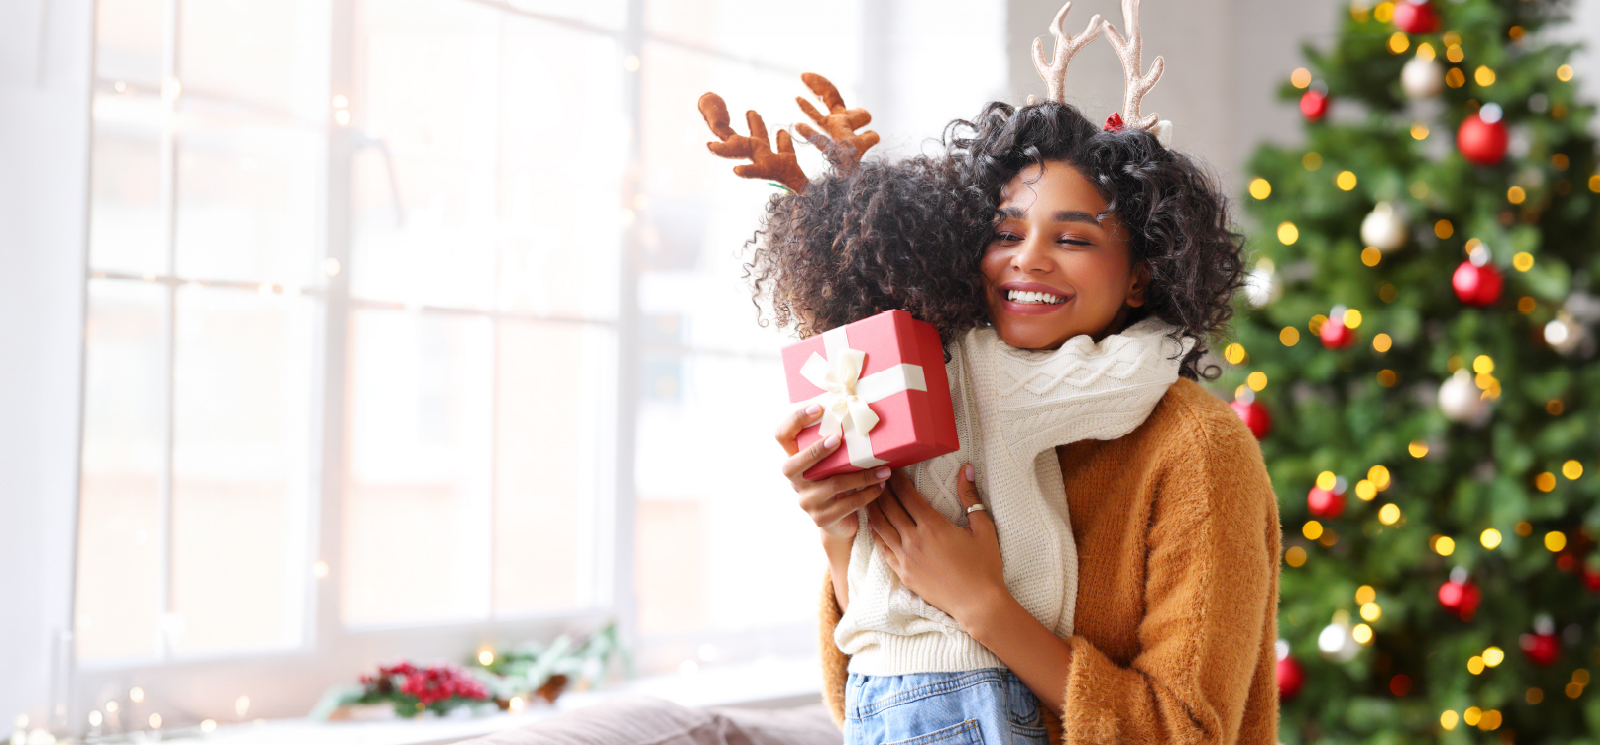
(343, 331)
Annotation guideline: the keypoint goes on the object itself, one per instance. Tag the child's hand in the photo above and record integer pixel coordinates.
(955, 569)
(832, 502)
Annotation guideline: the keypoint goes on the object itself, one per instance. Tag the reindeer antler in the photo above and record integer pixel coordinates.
(842, 145)
(780, 166)
(1130, 51)
(1055, 71)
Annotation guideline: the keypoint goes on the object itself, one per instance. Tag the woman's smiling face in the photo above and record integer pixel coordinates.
(1054, 269)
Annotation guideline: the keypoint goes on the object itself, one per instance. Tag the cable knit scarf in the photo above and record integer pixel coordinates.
(1013, 408)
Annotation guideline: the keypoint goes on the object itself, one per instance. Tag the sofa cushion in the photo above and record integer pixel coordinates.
(650, 721)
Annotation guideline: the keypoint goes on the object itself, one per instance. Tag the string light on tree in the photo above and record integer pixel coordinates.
(1261, 285)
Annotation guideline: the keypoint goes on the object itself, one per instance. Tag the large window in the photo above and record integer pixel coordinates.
(418, 324)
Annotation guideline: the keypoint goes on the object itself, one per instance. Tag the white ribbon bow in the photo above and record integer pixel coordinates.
(845, 401)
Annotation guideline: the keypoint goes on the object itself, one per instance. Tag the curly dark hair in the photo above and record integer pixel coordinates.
(911, 234)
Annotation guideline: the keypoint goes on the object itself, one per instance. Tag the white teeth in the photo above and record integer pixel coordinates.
(1034, 298)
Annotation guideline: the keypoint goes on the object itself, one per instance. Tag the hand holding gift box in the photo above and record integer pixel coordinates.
(882, 387)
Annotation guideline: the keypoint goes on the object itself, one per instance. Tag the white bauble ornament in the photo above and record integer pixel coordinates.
(1261, 285)
(1461, 401)
(1383, 228)
(1422, 78)
(1336, 643)
(1563, 334)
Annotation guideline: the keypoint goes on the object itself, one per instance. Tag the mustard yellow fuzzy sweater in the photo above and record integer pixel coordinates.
(1178, 544)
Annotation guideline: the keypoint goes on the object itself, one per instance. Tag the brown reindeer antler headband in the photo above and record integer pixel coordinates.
(842, 145)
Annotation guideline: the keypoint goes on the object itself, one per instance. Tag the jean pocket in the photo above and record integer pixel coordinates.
(965, 733)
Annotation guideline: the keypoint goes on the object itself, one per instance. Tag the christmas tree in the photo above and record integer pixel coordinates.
(1416, 355)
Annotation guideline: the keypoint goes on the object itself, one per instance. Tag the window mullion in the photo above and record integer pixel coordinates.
(169, 216)
(341, 146)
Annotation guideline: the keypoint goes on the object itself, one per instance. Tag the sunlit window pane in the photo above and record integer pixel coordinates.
(553, 414)
(699, 537)
(416, 517)
(249, 203)
(559, 181)
(605, 13)
(241, 472)
(126, 229)
(269, 53)
(425, 185)
(130, 37)
(119, 523)
(822, 36)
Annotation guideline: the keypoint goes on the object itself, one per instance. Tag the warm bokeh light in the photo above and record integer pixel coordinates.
(1545, 482)
(1365, 594)
(1564, 73)
(1256, 380)
(1471, 716)
(1419, 131)
(1555, 540)
(1290, 336)
(1260, 188)
(1300, 78)
(1444, 229)
(1371, 611)
(1362, 633)
(1399, 42)
(1483, 76)
(1526, 304)
(1312, 161)
(1379, 476)
(1366, 490)
(1523, 261)
(1234, 354)
(1288, 233)
(1312, 530)
(1389, 514)
(1449, 719)
(1352, 318)
(1490, 538)
(1444, 545)
(1418, 449)
(1493, 656)
(1482, 364)
(1572, 470)
(1326, 480)
(1381, 343)
(1475, 665)
(1295, 556)
(1371, 256)
(1346, 180)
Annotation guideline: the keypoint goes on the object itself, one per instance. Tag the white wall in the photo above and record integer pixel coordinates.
(44, 116)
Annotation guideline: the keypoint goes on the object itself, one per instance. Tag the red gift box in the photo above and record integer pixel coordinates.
(882, 385)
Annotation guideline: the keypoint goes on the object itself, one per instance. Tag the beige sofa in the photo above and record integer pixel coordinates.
(649, 721)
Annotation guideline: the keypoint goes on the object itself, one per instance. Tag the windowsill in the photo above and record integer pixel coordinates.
(765, 683)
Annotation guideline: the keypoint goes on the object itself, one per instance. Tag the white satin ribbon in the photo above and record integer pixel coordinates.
(844, 403)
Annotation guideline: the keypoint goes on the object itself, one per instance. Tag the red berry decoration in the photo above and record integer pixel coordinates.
(1542, 649)
(1460, 596)
(1476, 281)
(1327, 504)
(1416, 17)
(1314, 105)
(1291, 675)
(1254, 415)
(1483, 138)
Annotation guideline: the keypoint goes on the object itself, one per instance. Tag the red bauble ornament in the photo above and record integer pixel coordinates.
(1255, 416)
(1543, 649)
(1336, 335)
(1591, 578)
(1482, 141)
(1416, 18)
(1478, 286)
(1314, 105)
(1291, 677)
(1325, 504)
(1461, 598)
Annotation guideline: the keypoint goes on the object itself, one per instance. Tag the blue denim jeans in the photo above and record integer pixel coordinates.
(981, 707)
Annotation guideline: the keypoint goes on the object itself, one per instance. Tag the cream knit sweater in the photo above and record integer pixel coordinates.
(1013, 407)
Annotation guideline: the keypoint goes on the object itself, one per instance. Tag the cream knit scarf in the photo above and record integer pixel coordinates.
(1013, 407)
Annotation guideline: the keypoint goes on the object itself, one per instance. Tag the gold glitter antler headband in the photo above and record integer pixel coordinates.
(1055, 71)
(1138, 84)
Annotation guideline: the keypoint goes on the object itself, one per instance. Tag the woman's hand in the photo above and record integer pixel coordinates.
(832, 502)
(955, 569)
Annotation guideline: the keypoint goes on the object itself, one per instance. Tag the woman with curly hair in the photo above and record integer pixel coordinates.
(1098, 562)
